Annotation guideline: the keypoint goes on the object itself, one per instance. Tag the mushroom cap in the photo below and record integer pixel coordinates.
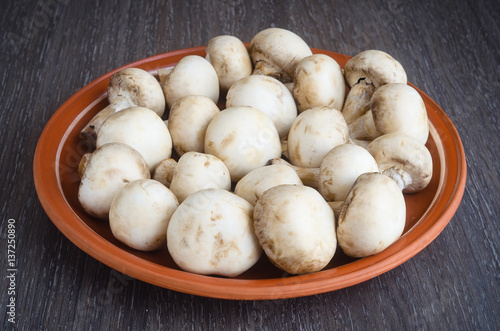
(257, 181)
(341, 167)
(192, 75)
(188, 120)
(296, 228)
(140, 128)
(164, 171)
(372, 217)
(108, 169)
(243, 138)
(140, 212)
(404, 159)
(376, 67)
(139, 87)
(399, 108)
(230, 59)
(197, 171)
(314, 133)
(357, 102)
(211, 233)
(319, 81)
(276, 52)
(268, 95)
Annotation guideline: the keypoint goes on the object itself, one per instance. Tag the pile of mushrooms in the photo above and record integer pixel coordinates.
(266, 148)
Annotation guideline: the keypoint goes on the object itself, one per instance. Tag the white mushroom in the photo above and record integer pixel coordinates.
(164, 171)
(108, 169)
(192, 75)
(308, 176)
(257, 181)
(314, 133)
(395, 108)
(319, 81)
(375, 67)
(268, 95)
(230, 59)
(276, 52)
(198, 171)
(372, 217)
(341, 167)
(296, 228)
(140, 128)
(188, 120)
(140, 213)
(212, 233)
(243, 138)
(357, 102)
(127, 88)
(404, 159)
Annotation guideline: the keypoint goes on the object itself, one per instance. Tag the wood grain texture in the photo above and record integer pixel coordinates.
(52, 48)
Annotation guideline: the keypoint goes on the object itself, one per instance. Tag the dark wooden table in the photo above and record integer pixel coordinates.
(52, 48)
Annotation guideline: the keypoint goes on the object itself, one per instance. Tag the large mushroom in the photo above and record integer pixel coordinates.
(107, 170)
(212, 233)
(276, 52)
(140, 128)
(244, 138)
(268, 95)
(296, 228)
(318, 81)
(372, 216)
(127, 88)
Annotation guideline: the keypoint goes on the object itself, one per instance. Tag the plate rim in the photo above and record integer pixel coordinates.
(229, 288)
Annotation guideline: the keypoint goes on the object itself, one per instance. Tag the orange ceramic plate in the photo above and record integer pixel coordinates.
(55, 172)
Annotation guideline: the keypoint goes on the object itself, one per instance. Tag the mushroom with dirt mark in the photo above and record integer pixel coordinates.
(296, 228)
(244, 138)
(188, 120)
(192, 75)
(372, 216)
(140, 213)
(127, 88)
(230, 59)
(197, 171)
(318, 81)
(276, 52)
(375, 67)
(108, 169)
(404, 159)
(140, 128)
(314, 133)
(394, 108)
(211, 233)
(268, 95)
(357, 102)
(257, 181)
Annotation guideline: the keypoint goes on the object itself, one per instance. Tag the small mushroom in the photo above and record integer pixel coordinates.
(140, 128)
(394, 108)
(375, 67)
(296, 228)
(211, 233)
(257, 181)
(276, 52)
(357, 102)
(308, 176)
(108, 169)
(127, 88)
(140, 213)
(268, 95)
(372, 216)
(318, 81)
(164, 171)
(244, 139)
(404, 159)
(314, 133)
(197, 171)
(192, 75)
(230, 59)
(340, 168)
(188, 121)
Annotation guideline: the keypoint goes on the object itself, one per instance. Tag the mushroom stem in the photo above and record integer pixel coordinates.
(357, 102)
(308, 176)
(402, 178)
(363, 128)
